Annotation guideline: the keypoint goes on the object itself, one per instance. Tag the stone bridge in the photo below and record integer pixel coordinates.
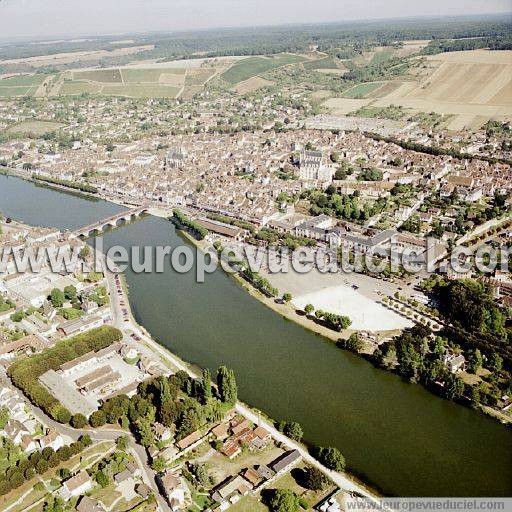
(111, 222)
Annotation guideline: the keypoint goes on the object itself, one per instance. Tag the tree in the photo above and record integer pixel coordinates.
(97, 419)
(227, 385)
(4, 417)
(70, 293)
(287, 297)
(292, 430)
(331, 458)
(313, 479)
(495, 362)
(207, 384)
(122, 443)
(158, 464)
(84, 253)
(308, 309)
(283, 500)
(475, 361)
(78, 421)
(102, 478)
(453, 387)
(57, 298)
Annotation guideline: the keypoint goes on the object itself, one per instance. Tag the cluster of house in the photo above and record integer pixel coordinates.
(252, 479)
(22, 429)
(127, 482)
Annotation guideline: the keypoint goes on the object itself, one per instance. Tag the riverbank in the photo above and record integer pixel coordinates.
(374, 418)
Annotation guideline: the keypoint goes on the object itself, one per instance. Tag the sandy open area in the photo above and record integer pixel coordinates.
(334, 293)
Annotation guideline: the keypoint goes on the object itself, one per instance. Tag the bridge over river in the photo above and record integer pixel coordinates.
(113, 221)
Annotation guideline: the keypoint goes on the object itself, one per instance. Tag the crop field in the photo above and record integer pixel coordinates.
(381, 56)
(362, 90)
(199, 76)
(158, 81)
(471, 86)
(8, 92)
(99, 75)
(141, 90)
(69, 88)
(251, 85)
(326, 63)
(253, 66)
(21, 85)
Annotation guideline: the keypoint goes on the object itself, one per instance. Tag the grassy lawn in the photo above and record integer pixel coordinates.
(247, 68)
(99, 75)
(248, 504)
(201, 502)
(361, 90)
(107, 495)
(35, 127)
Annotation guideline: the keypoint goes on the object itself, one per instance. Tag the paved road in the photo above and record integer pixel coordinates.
(340, 479)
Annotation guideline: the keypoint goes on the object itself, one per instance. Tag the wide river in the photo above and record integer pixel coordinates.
(394, 435)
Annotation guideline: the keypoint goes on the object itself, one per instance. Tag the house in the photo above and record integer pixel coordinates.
(285, 462)
(188, 441)
(455, 363)
(76, 485)
(220, 431)
(15, 431)
(253, 477)
(52, 439)
(28, 445)
(143, 490)
(240, 425)
(87, 504)
(174, 489)
(161, 432)
(234, 485)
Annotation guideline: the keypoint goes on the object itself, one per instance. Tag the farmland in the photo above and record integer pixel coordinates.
(458, 89)
(21, 85)
(471, 86)
(253, 66)
(134, 82)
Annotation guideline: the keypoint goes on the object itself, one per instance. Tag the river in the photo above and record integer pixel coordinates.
(394, 435)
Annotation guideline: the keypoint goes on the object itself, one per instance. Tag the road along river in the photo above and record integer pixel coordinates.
(394, 435)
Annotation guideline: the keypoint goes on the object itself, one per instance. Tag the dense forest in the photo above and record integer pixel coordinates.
(337, 39)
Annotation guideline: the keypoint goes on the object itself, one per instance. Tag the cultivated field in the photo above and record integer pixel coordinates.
(251, 85)
(68, 58)
(136, 82)
(22, 85)
(253, 66)
(466, 88)
(472, 86)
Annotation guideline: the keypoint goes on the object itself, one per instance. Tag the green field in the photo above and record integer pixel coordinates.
(7, 92)
(381, 57)
(99, 75)
(361, 90)
(23, 80)
(326, 63)
(252, 66)
(76, 88)
(141, 90)
(34, 127)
